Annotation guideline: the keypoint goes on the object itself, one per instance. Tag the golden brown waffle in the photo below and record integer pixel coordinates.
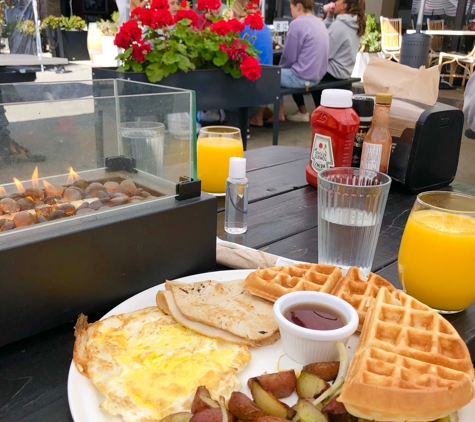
(410, 364)
(360, 292)
(272, 283)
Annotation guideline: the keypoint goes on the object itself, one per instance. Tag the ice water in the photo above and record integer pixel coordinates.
(347, 237)
(146, 146)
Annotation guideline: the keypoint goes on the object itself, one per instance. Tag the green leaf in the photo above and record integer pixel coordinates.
(236, 72)
(137, 67)
(220, 59)
(169, 57)
(184, 63)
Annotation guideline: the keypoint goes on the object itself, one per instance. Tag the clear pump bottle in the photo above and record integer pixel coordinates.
(237, 191)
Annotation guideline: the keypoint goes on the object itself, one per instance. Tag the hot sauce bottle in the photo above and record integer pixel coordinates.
(377, 142)
(334, 125)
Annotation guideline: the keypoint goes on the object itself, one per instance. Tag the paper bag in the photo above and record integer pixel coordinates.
(385, 76)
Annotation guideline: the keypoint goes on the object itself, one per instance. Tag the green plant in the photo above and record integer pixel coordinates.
(51, 21)
(72, 23)
(27, 27)
(109, 27)
(370, 42)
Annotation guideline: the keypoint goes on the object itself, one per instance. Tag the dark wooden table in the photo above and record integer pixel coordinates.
(282, 221)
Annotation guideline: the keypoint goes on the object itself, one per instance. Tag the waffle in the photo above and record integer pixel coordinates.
(272, 283)
(410, 364)
(360, 292)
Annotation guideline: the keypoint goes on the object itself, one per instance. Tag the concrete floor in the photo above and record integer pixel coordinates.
(292, 133)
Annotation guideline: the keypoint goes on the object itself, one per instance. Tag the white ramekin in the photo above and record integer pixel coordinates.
(305, 345)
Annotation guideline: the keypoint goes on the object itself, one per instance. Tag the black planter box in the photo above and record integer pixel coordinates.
(214, 89)
(75, 45)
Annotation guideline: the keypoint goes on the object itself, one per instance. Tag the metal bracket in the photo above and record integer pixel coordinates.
(188, 188)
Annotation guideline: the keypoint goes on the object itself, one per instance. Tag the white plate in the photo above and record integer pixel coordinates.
(84, 398)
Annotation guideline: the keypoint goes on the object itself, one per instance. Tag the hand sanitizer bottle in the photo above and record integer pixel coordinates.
(237, 190)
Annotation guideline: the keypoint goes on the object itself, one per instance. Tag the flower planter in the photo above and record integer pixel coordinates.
(213, 88)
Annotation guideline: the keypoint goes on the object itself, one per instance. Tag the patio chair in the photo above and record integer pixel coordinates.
(391, 37)
(436, 40)
(455, 60)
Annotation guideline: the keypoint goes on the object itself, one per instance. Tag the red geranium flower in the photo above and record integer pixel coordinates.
(255, 20)
(208, 5)
(128, 33)
(139, 50)
(187, 14)
(159, 4)
(251, 68)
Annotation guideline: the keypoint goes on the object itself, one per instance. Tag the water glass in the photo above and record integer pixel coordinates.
(144, 142)
(215, 146)
(351, 205)
(437, 251)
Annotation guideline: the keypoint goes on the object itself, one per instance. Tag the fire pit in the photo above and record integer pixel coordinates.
(102, 217)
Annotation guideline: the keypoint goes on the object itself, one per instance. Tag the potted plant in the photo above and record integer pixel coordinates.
(109, 51)
(25, 43)
(73, 34)
(160, 45)
(370, 43)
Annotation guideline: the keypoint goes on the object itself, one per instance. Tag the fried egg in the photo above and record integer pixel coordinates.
(148, 366)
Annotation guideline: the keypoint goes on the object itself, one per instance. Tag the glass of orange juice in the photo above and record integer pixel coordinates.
(215, 146)
(437, 253)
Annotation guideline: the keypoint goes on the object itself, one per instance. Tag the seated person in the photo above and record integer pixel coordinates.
(305, 56)
(469, 107)
(346, 23)
(260, 39)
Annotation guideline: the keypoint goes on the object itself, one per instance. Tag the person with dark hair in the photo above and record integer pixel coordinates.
(305, 56)
(469, 107)
(346, 23)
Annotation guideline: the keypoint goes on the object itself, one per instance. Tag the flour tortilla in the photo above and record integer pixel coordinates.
(226, 307)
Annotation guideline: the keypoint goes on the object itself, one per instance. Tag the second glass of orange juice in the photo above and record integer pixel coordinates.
(215, 146)
(437, 254)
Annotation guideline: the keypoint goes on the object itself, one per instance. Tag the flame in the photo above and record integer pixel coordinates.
(34, 178)
(3, 192)
(46, 184)
(19, 186)
(73, 176)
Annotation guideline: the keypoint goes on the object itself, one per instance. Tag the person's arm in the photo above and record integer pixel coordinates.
(469, 102)
(138, 3)
(291, 51)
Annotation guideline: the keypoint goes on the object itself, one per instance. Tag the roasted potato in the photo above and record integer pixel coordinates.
(310, 386)
(270, 419)
(202, 400)
(307, 412)
(244, 408)
(327, 371)
(334, 406)
(280, 384)
(210, 415)
(268, 402)
(178, 417)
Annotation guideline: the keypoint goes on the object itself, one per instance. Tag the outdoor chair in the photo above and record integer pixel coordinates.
(391, 37)
(436, 40)
(454, 61)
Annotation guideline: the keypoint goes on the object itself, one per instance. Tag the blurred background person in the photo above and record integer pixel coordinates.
(469, 107)
(305, 56)
(124, 11)
(346, 23)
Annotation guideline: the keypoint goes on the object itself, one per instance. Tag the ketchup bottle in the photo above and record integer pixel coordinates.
(334, 124)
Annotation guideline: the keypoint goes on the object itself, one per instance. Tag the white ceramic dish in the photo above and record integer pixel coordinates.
(84, 398)
(306, 345)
